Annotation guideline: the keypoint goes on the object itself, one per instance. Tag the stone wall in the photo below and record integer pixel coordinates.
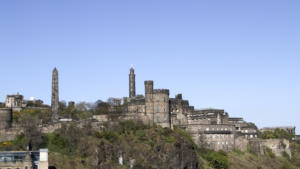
(9, 134)
(215, 137)
(241, 143)
(5, 118)
(278, 146)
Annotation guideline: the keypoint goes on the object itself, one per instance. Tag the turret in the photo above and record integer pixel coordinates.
(148, 87)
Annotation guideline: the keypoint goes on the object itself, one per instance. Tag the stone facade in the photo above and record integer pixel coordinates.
(212, 128)
(15, 101)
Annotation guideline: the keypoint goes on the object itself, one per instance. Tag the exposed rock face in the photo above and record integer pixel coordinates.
(152, 148)
(55, 98)
(277, 146)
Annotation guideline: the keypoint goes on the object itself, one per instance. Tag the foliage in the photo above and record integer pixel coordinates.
(250, 124)
(102, 108)
(185, 135)
(277, 133)
(217, 160)
(2, 105)
(295, 153)
(269, 153)
(19, 143)
(43, 115)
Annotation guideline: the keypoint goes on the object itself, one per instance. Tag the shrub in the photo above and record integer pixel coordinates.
(269, 153)
(108, 135)
(169, 139)
(185, 135)
(217, 160)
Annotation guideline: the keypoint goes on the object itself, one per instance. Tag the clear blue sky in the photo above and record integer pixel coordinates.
(242, 56)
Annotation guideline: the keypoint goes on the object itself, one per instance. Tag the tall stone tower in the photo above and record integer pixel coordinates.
(131, 83)
(55, 99)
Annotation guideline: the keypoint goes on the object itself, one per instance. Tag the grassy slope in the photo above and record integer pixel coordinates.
(151, 147)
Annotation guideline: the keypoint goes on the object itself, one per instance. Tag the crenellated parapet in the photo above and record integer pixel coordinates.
(161, 91)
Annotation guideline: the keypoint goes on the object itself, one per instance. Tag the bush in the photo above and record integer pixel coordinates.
(185, 135)
(269, 153)
(217, 160)
(108, 135)
(169, 139)
(277, 133)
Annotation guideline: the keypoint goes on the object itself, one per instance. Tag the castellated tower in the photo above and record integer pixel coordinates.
(54, 99)
(131, 83)
(157, 105)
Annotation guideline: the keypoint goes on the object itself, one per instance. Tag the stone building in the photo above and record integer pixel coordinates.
(24, 159)
(15, 101)
(212, 128)
(153, 108)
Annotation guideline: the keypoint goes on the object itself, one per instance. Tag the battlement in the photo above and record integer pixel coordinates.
(178, 96)
(137, 101)
(161, 91)
(210, 110)
(235, 119)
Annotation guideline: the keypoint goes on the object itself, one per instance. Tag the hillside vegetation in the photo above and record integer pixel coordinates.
(128, 144)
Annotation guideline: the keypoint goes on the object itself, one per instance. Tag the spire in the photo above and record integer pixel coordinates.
(131, 83)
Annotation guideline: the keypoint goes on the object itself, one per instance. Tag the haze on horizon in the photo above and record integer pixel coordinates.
(241, 56)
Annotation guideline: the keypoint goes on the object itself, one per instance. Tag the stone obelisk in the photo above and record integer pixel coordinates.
(131, 83)
(54, 99)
